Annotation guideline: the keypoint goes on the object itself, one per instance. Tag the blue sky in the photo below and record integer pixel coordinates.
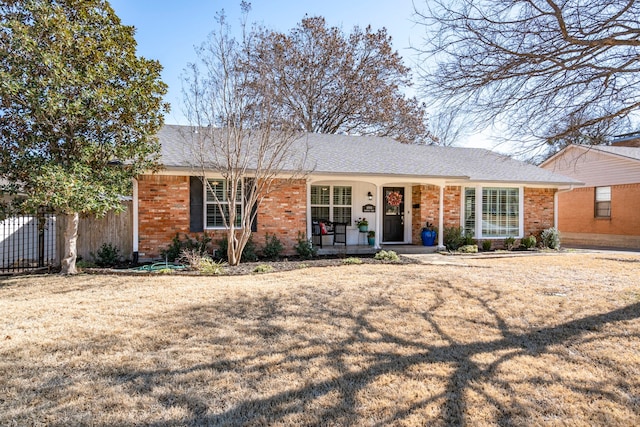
(168, 30)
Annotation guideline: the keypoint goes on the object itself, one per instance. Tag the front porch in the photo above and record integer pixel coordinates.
(352, 250)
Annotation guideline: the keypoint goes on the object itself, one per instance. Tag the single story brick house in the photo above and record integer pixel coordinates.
(606, 211)
(351, 177)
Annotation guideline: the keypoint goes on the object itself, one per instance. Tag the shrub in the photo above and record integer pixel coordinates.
(468, 239)
(201, 262)
(174, 251)
(304, 248)
(529, 242)
(210, 267)
(468, 249)
(248, 253)
(263, 268)
(107, 256)
(454, 237)
(550, 238)
(273, 247)
(509, 243)
(387, 256)
(85, 264)
(486, 245)
(352, 260)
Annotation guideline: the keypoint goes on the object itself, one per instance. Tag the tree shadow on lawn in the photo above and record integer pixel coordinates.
(329, 377)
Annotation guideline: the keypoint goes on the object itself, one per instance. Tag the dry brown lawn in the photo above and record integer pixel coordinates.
(550, 340)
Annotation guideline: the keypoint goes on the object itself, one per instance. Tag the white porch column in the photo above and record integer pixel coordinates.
(441, 219)
(379, 217)
(308, 218)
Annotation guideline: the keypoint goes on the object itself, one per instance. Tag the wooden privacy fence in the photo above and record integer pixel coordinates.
(114, 228)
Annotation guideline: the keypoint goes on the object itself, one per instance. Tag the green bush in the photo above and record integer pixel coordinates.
(454, 237)
(263, 268)
(529, 242)
(273, 247)
(550, 238)
(304, 248)
(509, 243)
(352, 260)
(174, 251)
(387, 256)
(201, 262)
(468, 249)
(486, 245)
(248, 253)
(107, 256)
(210, 267)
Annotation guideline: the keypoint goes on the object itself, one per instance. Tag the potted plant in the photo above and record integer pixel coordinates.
(428, 234)
(371, 237)
(362, 224)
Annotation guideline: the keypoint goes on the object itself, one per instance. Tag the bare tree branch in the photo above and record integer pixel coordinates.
(549, 70)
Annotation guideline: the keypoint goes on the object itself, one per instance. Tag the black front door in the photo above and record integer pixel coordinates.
(393, 215)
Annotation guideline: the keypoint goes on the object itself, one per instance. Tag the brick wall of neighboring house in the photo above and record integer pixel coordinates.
(538, 210)
(163, 211)
(578, 224)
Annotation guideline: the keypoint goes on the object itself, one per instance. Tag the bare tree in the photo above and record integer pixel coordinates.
(332, 83)
(549, 70)
(237, 134)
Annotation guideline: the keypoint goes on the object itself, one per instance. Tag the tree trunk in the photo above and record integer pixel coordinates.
(70, 240)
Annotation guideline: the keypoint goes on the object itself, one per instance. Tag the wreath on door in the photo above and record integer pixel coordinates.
(394, 198)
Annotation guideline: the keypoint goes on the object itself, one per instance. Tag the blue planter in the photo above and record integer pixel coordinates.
(428, 237)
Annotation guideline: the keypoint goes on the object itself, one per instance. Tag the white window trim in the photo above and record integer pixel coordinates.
(478, 206)
(331, 205)
(206, 203)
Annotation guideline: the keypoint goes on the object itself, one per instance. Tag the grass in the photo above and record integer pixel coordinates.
(546, 340)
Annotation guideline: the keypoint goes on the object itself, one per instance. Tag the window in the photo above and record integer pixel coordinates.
(501, 214)
(342, 204)
(470, 210)
(324, 207)
(603, 202)
(218, 188)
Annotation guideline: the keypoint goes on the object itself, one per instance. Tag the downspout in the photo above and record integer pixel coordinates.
(441, 220)
(134, 207)
(555, 204)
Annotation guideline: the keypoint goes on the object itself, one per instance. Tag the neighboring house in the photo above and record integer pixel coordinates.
(606, 211)
(490, 194)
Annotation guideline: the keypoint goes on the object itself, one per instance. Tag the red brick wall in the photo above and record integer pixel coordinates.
(283, 213)
(452, 207)
(163, 211)
(576, 211)
(538, 210)
(428, 197)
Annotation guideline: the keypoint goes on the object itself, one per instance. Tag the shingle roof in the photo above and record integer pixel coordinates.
(368, 155)
(629, 152)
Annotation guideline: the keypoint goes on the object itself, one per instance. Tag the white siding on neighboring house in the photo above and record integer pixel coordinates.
(594, 168)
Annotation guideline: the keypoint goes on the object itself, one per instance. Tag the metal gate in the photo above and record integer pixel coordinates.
(27, 242)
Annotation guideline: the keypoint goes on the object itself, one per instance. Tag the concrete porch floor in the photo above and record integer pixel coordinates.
(370, 250)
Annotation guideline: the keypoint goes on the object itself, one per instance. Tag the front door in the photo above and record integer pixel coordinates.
(393, 215)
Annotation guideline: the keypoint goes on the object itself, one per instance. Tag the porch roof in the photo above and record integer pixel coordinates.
(380, 156)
